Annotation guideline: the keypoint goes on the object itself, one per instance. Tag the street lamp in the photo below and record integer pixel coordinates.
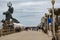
(53, 2)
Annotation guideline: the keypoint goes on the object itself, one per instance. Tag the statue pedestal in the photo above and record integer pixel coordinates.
(8, 27)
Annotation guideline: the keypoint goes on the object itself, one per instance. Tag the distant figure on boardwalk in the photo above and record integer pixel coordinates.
(9, 13)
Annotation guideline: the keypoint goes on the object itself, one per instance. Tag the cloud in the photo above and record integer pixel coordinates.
(7, 0)
(57, 5)
(23, 0)
(18, 5)
(35, 9)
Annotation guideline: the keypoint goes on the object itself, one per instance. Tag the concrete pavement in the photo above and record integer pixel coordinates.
(27, 35)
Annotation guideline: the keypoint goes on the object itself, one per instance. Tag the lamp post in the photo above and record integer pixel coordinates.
(53, 2)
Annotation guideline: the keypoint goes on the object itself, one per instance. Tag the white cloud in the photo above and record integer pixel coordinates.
(36, 6)
(18, 5)
(7, 0)
(57, 5)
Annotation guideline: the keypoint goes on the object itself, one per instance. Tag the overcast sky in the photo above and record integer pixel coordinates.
(28, 12)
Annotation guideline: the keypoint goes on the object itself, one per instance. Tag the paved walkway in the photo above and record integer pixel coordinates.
(26, 35)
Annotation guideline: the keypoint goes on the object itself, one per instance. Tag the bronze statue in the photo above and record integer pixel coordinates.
(8, 14)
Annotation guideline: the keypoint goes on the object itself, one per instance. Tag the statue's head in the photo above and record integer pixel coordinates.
(9, 4)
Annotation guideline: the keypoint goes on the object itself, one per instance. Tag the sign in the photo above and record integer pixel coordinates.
(49, 20)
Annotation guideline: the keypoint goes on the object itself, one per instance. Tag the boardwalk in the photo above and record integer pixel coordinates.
(26, 35)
